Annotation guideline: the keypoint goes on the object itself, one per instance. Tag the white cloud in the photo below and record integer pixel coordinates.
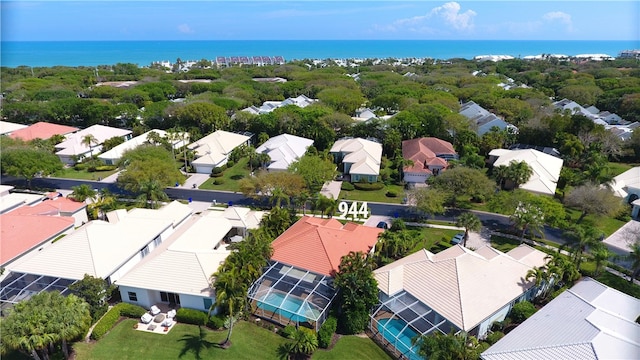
(185, 29)
(451, 14)
(561, 17)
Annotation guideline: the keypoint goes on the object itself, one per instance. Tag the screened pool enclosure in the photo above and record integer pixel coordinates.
(18, 287)
(397, 319)
(291, 296)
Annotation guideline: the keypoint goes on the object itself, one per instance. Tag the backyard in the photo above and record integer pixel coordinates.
(193, 342)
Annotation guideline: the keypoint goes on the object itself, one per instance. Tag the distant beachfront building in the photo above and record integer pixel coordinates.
(629, 54)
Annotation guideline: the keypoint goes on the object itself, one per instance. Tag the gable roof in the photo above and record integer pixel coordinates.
(588, 321)
(21, 232)
(242, 217)
(628, 179)
(464, 286)
(73, 144)
(364, 155)
(7, 127)
(52, 206)
(284, 149)
(318, 245)
(546, 168)
(185, 261)
(42, 130)
(117, 151)
(98, 248)
(11, 201)
(424, 152)
(215, 147)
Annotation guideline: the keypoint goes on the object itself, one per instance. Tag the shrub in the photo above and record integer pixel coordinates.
(368, 186)
(522, 311)
(347, 186)
(392, 193)
(215, 322)
(217, 172)
(191, 316)
(105, 168)
(230, 163)
(130, 310)
(79, 167)
(326, 332)
(218, 181)
(494, 337)
(106, 323)
(287, 331)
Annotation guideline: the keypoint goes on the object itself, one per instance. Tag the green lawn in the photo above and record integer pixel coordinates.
(352, 347)
(434, 239)
(191, 342)
(618, 168)
(619, 284)
(376, 195)
(231, 178)
(71, 173)
(607, 225)
(503, 244)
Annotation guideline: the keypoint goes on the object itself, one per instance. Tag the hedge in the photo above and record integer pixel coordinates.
(215, 322)
(191, 316)
(347, 186)
(522, 311)
(218, 181)
(130, 310)
(106, 323)
(392, 193)
(105, 168)
(494, 337)
(368, 186)
(217, 172)
(326, 332)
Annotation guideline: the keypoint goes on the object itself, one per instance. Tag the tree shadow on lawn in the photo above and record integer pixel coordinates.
(196, 343)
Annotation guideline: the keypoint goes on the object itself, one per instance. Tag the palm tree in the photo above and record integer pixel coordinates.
(82, 192)
(304, 343)
(562, 268)
(469, 222)
(73, 320)
(151, 193)
(579, 239)
(527, 217)
(230, 294)
(601, 255)
(542, 277)
(88, 140)
(500, 173)
(331, 206)
(104, 203)
(302, 199)
(278, 195)
(518, 172)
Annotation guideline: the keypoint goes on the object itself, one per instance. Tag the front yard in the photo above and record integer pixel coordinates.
(71, 173)
(229, 181)
(192, 342)
(376, 195)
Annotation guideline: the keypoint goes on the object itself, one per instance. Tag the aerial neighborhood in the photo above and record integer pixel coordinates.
(252, 207)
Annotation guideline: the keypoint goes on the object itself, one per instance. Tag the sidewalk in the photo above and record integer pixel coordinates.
(111, 178)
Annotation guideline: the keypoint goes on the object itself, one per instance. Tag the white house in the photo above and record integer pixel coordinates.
(111, 157)
(627, 186)
(283, 150)
(213, 150)
(546, 168)
(74, 148)
(588, 321)
(360, 158)
(268, 106)
(456, 289)
(482, 119)
(179, 272)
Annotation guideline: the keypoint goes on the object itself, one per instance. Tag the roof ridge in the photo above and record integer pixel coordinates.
(208, 277)
(93, 260)
(324, 247)
(455, 267)
(589, 343)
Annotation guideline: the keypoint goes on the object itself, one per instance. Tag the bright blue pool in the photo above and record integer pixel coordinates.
(391, 330)
(290, 307)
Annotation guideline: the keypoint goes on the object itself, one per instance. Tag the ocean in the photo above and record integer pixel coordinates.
(143, 53)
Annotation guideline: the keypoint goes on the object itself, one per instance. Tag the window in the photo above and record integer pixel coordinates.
(164, 297)
(207, 303)
(145, 251)
(132, 296)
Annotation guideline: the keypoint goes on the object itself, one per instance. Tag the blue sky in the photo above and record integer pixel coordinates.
(331, 20)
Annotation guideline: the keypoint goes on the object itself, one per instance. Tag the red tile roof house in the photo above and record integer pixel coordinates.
(297, 287)
(56, 205)
(26, 230)
(42, 130)
(429, 156)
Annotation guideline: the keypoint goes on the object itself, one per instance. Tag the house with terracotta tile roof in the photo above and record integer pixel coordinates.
(57, 206)
(453, 290)
(429, 156)
(42, 130)
(297, 287)
(360, 158)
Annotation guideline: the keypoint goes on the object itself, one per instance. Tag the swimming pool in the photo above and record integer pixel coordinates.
(290, 307)
(391, 330)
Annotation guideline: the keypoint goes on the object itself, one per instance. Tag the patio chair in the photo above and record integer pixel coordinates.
(168, 322)
(171, 314)
(154, 310)
(146, 318)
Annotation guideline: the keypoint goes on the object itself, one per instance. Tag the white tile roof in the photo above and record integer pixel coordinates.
(588, 321)
(215, 147)
(116, 152)
(628, 179)
(462, 285)
(242, 217)
(364, 155)
(13, 200)
(186, 264)
(73, 144)
(284, 149)
(9, 127)
(546, 168)
(97, 248)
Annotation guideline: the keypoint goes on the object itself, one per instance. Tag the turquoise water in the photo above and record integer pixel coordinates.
(289, 307)
(143, 53)
(391, 329)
